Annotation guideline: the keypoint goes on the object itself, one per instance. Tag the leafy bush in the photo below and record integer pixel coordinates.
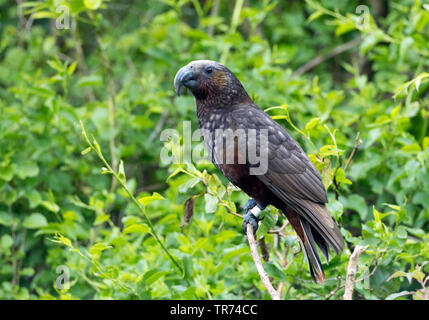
(342, 79)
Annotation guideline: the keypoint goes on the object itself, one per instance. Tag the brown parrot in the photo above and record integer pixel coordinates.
(290, 182)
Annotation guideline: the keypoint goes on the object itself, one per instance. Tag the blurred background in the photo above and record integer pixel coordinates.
(343, 76)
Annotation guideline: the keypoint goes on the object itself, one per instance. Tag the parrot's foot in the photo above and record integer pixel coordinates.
(252, 209)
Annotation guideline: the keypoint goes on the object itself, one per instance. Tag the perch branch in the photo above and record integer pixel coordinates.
(351, 272)
(264, 277)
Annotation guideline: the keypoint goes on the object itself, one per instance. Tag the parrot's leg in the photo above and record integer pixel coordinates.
(252, 210)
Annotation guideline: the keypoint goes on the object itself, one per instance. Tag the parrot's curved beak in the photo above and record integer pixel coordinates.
(184, 77)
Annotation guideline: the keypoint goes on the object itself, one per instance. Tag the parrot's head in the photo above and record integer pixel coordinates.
(209, 80)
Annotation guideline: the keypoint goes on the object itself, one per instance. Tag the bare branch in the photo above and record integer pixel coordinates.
(264, 277)
(351, 272)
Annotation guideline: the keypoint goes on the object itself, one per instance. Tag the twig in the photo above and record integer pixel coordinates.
(333, 292)
(319, 59)
(279, 231)
(371, 273)
(351, 272)
(158, 126)
(264, 277)
(357, 143)
(334, 181)
(108, 169)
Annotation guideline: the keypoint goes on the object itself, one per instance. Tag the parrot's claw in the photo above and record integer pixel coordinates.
(249, 217)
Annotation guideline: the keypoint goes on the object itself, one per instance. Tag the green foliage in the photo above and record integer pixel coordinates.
(112, 68)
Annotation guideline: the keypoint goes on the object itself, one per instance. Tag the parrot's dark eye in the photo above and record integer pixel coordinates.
(209, 70)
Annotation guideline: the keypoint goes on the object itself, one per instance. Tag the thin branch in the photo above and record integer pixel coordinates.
(319, 59)
(108, 169)
(279, 231)
(357, 143)
(333, 292)
(351, 272)
(334, 181)
(158, 126)
(264, 277)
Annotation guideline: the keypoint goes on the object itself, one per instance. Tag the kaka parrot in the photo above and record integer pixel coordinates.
(289, 181)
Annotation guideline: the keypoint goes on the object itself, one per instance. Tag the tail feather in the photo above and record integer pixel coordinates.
(321, 242)
(309, 246)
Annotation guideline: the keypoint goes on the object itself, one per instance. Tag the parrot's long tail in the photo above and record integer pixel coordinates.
(309, 237)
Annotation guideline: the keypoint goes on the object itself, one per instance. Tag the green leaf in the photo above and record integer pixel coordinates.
(154, 197)
(34, 198)
(6, 241)
(315, 15)
(345, 27)
(84, 152)
(89, 81)
(340, 177)
(43, 15)
(101, 218)
(425, 143)
(97, 249)
(155, 276)
(401, 232)
(273, 271)
(269, 221)
(418, 275)
(136, 228)
(311, 124)
(189, 184)
(335, 208)
(35, 221)
(6, 173)
(356, 203)
(72, 68)
(27, 169)
(121, 172)
(6, 219)
(232, 253)
(59, 238)
(393, 296)
(411, 148)
(51, 206)
(397, 274)
(92, 4)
